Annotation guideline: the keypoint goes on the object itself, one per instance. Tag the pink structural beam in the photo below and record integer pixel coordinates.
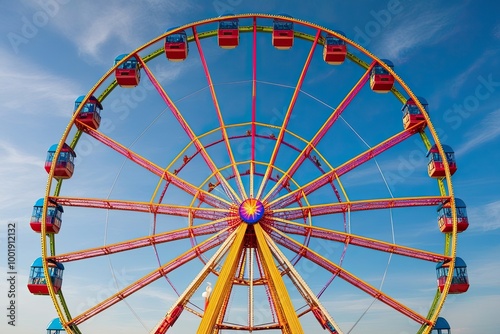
(288, 115)
(225, 137)
(254, 105)
(150, 240)
(332, 208)
(185, 126)
(163, 209)
(148, 165)
(348, 277)
(341, 170)
(320, 134)
(151, 277)
(351, 239)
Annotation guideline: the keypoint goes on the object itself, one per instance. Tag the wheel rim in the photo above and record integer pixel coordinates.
(279, 218)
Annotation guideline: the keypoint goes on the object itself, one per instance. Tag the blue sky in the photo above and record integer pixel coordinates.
(52, 51)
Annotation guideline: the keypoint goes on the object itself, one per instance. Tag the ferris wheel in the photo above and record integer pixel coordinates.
(253, 197)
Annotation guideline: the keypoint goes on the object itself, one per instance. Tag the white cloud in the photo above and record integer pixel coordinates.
(486, 131)
(416, 28)
(22, 177)
(463, 78)
(496, 31)
(90, 34)
(486, 217)
(470, 313)
(12, 156)
(115, 24)
(31, 97)
(26, 88)
(483, 274)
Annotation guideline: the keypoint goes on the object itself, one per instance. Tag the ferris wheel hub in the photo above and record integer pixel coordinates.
(251, 210)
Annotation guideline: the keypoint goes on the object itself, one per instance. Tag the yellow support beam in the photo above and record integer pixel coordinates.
(311, 299)
(196, 283)
(224, 284)
(284, 308)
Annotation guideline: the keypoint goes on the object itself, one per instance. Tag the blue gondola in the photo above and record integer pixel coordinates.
(55, 327)
(335, 49)
(52, 220)
(65, 164)
(37, 283)
(176, 46)
(128, 73)
(228, 34)
(381, 81)
(282, 33)
(411, 113)
(441, 327)
(445, 220)
(460, 280)
(435, 167)
(90, 114)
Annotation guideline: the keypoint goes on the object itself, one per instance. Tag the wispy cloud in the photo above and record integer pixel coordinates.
(482, 272)
(110, 22)
(496, 31)
(48, 92)
(462, 78)
(458, 82)
(415, 28)
(487, 130)
(116, 24)
(21, 175)
(480, 311)
(486, 217)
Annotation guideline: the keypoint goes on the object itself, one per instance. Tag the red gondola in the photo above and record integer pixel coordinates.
(228, 34)
(55, 327)
(128, 73)
(411, 113)
(90, 114)
(459, 282)
(444, 216)
(282, 33)
(381, 81)
(335, 50)
(176, 46)
(52, 220)
(37, 284)
(435, 167)
(65, 162)
(441, 327)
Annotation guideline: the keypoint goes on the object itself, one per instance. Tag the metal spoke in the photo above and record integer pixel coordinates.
(175, 263)
(199, 146)
(234, 167)
(323, 262)
(288, 115)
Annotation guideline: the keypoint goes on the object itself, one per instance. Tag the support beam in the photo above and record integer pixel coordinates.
(287, 317)
(319, 311)
(224, 284)
(176, 309)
